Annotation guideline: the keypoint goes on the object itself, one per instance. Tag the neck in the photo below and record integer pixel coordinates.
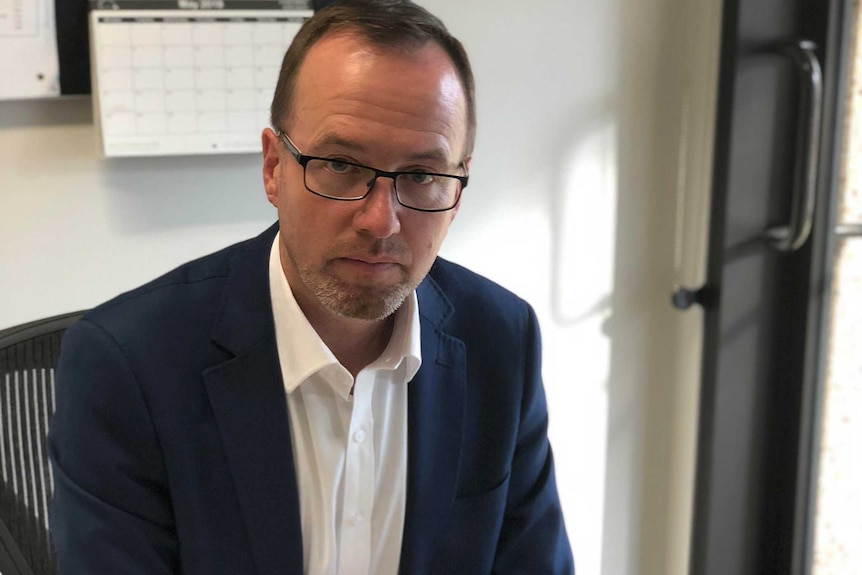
(355, 342)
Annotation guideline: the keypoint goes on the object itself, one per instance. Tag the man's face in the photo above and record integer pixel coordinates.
(391, 110)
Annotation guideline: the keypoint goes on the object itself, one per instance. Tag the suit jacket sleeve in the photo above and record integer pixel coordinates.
(533, 538)
(111, 511)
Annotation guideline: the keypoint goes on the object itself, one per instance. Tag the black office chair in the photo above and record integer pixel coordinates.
(28, 354)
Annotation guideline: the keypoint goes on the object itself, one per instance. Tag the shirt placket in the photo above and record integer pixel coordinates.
(355, 540)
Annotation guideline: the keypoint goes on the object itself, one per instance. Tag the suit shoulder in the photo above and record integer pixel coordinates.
(456, 281)
(475, 296)
(194, 285)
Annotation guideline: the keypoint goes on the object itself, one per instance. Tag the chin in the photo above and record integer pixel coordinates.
(366, 303)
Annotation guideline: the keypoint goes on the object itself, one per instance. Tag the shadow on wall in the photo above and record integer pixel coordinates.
(172, 192)
(148, 194)
(42, 113)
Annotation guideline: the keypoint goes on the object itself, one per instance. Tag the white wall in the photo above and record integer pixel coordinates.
(591, 128)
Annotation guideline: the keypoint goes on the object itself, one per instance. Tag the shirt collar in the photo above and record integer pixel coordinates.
(302, 353)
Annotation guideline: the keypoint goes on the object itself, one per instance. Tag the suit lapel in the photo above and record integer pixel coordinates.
(435, 414)
(249, 403)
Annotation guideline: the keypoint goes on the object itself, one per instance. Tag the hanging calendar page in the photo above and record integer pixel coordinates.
(179, 82)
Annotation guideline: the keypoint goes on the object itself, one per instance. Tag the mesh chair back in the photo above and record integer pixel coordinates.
(28, 354)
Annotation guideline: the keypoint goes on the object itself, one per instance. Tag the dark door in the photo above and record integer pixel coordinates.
(774, 172)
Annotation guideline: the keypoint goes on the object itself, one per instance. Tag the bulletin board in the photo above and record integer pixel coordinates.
(29, 60)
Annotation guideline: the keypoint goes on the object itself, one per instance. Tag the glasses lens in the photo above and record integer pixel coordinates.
(337, 179)
(427, 192)
(344, 181)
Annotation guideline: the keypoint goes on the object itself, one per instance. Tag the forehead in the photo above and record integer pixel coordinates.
(387, 97)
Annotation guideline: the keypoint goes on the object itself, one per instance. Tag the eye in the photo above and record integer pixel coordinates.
(419, 178)
(338, 166)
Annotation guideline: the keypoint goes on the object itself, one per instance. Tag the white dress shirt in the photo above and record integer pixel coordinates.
(350, 451)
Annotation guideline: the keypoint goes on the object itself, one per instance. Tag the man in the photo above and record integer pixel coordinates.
(314, 401)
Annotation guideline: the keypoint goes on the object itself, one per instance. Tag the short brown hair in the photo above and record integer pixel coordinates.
(393, 24)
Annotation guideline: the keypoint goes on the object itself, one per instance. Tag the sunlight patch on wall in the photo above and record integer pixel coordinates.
(587, 228)
(583, 271)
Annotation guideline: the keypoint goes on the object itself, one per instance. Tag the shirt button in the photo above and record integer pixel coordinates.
(359, 436)
(356, 519)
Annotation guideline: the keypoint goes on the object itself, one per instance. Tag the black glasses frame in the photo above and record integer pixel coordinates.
(303, 159)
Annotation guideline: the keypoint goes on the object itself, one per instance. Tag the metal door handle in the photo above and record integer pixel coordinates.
(683, 298)
(793, 236)
(848, 230)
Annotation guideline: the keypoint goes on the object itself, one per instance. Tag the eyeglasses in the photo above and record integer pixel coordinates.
(347, 181)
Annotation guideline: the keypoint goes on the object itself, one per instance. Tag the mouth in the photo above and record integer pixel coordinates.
(371, 260)
(372, 256)
(368, 264)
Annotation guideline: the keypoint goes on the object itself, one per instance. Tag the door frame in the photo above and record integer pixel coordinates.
(800, 501)
(842, 20)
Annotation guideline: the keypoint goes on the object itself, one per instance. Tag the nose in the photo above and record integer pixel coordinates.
(378, 214)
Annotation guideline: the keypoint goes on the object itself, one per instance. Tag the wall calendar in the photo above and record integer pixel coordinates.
(177, 82)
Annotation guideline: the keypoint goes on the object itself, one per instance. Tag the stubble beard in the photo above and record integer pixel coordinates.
(357, 301)
(372, 303)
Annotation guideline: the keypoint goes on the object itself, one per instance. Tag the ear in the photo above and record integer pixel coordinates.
(454, 210)
(271, 165)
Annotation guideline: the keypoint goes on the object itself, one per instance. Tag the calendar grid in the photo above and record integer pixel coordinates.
(192, 82)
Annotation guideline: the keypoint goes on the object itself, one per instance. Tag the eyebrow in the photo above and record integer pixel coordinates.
(332, 139)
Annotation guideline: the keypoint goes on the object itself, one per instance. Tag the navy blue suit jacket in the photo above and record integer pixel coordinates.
(171, 442)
